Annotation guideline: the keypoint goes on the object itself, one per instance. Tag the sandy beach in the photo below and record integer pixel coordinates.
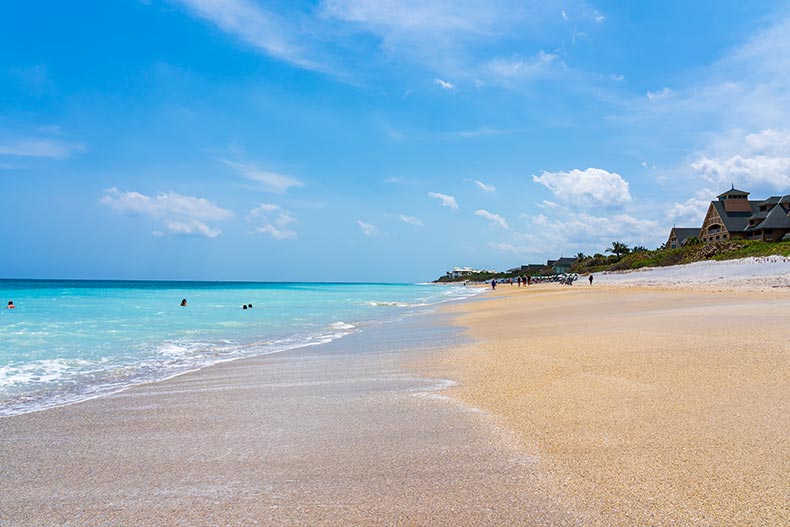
(647, 406)
(617, 404)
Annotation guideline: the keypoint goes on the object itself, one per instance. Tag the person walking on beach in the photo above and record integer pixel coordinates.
(10, 305)
(493, 284)
(591, 279)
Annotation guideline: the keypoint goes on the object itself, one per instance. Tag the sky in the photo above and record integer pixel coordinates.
(375, 140)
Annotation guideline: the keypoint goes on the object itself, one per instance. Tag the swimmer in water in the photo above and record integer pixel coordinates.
(184, 303)
(10, 305)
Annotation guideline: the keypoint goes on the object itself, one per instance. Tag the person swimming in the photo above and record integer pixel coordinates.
(10, 305)
(184, 303)
(244, 306)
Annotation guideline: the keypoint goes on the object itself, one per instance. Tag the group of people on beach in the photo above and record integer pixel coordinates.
(527, 281)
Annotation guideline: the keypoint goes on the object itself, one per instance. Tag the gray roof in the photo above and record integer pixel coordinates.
(777, 218)
(733, 190)
(735, 221)
(565, 261)
(684, 233)
(771, 200)
(759, 215)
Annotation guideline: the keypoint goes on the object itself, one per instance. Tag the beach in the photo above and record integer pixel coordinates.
(649, 405)
(617, 404)
(337, 434)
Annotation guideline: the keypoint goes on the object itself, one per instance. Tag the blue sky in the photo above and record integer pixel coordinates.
(375, 140)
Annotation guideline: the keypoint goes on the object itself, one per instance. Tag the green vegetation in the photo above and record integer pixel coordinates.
(693, 251)
(624, 258)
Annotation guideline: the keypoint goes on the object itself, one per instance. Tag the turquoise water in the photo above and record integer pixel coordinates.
(71, 340)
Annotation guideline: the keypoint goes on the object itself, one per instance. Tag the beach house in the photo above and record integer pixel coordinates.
(562, 265)
(733, 215)
(679, 235)
(459, 272)
(771, 222)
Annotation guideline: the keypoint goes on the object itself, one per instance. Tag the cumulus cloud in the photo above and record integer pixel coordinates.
(692, 211)
(593, 186)
(569, 233)
(411, 220)
(444, 199)
(272, 220)
(271, 181)
(763, 159)
(485, 187)
(493, 219)
(178, 214)
(444, 84)
(368, 229)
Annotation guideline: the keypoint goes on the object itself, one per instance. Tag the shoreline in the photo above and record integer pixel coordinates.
(640, 407)
(335, 434)
(72, 386)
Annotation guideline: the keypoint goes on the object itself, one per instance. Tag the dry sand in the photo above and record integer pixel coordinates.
(645, 406)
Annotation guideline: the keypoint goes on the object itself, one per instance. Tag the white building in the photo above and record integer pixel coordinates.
(458, 272)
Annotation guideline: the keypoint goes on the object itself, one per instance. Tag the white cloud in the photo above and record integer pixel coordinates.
(411, 220)
(572, 231)
(444, 84)
(643, 164)
(618, 77)
(191, 227)
(564, 15)
(506, 70)
(271, 181)
(273, 220)
(692, 211)
(262, 29)
(660, 94)
(444, 199)
(598, 17)
(368, 229)
(593, 186)
(494, 219)
(39, 147)
(178, 214)
(485, 187)
(763, 159)
(745, 90)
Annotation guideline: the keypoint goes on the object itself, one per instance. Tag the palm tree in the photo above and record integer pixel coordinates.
(581, 256)
(618, 249)
(639, 249)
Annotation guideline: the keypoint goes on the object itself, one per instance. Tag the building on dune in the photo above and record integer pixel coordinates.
(734, 216)
(679, 235)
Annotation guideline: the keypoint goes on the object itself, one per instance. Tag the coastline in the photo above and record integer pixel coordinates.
(333, 434)
(648, 405)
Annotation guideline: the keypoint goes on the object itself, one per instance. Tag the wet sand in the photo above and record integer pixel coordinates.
(646, 406)
(332, 435)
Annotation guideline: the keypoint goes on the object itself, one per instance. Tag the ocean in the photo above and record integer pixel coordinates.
(68, 341)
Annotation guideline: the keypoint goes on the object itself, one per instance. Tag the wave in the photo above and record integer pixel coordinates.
(39, 385)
